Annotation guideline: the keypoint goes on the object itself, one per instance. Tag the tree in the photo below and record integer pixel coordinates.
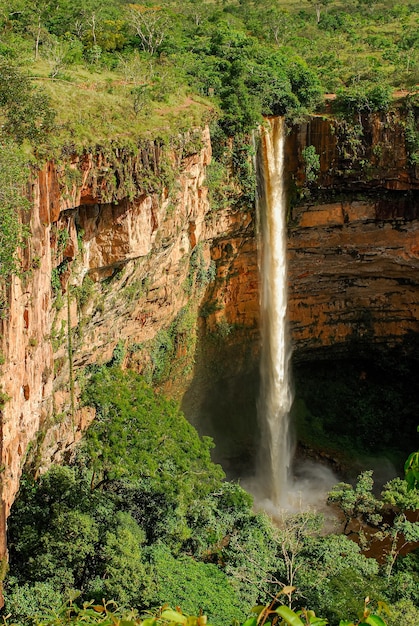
(400, 495)
(318, 6)
(311, 162)
(195, 586)
(30, 603)
(28, 111)
(33, 17)
(402, 533)
(362, 98)
(141, 435)
(52, 529)
(151, 25)
(358, 504)
(411, 469)
(121, 572)
(227, 532)
(333, 575)
(293, 535)
(13, 201)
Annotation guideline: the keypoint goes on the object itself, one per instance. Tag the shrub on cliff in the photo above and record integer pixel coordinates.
(27, 110)
(13, 203)
(363, 99)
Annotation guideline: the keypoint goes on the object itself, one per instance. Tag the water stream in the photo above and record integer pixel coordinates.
(274, 487)
(275, 398)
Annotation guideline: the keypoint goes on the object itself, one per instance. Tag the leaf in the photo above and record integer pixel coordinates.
(310, 617)
(382, 606)
(174, 616)
(374, 620)
(289, 616)
(258, 609)
(252, 621)
(411, 460)
(345, 622)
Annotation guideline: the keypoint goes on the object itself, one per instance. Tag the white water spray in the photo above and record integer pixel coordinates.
(275, 393)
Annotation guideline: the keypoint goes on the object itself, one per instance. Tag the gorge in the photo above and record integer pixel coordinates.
(120, 268)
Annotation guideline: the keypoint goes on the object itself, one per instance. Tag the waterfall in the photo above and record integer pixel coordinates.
(275, 398)
(274, 489)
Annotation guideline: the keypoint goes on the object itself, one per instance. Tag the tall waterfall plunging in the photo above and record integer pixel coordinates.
(275, 391)
(273, 487)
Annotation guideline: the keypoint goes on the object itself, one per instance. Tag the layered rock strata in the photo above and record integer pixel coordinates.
(353, 252)
(352, 275)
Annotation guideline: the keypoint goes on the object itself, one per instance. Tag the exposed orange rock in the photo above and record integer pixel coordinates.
(377, 158)
(353, 264)
(355, 279)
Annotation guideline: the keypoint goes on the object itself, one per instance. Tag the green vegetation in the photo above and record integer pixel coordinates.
(411, 468)
(27, 111)
(363, 99)
(148, 68)
(311, 164)
(109, 614)
(13, 203)
(131, 423)
(171, 353)
(142, 517)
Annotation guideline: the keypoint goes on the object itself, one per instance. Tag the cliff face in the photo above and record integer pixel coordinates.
(352, 275)
(124, 245)
(107, 267)
(354, 241)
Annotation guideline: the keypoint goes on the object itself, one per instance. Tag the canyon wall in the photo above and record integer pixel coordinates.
(126, 257)
(120, 247)
(353, 261)
(354, 237)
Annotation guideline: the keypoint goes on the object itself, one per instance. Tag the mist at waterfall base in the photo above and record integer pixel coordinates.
(276, 486)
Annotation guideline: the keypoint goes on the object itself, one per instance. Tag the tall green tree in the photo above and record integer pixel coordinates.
(13, 203)
(28, 112)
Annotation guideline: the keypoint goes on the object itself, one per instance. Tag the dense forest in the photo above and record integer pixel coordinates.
(140, 515)
(143, 517)
(106, 67)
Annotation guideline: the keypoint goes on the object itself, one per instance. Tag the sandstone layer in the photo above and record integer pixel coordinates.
(353, 252)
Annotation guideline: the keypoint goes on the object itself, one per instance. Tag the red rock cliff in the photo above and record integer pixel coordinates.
(109, 259)
(354, 242)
